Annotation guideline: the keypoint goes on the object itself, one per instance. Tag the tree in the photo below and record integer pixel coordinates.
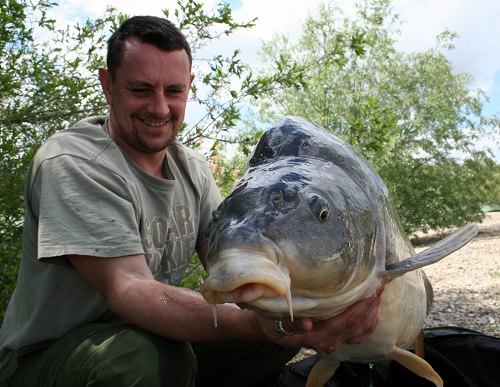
(48, 80)
(411, 117)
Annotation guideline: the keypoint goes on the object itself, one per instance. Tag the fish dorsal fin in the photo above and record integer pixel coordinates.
(434, 253)
(416, 364)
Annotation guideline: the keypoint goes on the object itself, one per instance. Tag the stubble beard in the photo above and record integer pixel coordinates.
(136, 140)
(141, 144)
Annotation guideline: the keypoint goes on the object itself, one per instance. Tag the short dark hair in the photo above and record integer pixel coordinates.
(154, 30)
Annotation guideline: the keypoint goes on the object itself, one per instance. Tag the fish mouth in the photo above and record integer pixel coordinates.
(260, 279)
(267, 283)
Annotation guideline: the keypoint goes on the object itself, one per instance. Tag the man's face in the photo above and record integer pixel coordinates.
(148, 97)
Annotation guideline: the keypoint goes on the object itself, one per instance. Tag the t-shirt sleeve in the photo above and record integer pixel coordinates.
(210, 200)
(83, 209)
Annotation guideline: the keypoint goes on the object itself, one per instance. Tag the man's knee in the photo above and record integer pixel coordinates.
(109, 355)
(151, 360)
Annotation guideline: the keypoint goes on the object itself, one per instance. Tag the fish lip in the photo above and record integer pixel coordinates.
(267, 278)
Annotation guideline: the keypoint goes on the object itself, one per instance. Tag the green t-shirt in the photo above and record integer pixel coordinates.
(85, 196)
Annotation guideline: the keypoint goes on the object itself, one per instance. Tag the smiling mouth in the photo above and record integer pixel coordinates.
(154, 124)
(156, 121)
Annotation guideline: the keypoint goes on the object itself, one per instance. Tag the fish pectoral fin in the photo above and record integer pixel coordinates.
(416, 364)
(434, 253)
(322, 370)
(419, 345)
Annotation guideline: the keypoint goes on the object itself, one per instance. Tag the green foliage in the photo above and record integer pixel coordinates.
(413, 119)
(194, 275)
(492, 190)
(449, 194)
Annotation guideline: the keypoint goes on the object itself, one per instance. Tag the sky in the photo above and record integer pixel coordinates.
(477, 23)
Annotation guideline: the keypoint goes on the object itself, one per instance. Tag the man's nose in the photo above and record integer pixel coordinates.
(159, 105)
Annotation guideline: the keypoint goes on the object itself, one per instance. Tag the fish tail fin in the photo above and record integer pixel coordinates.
(322, 370)
(416, 364)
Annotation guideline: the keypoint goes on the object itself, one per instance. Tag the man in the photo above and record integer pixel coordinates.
(115, 207)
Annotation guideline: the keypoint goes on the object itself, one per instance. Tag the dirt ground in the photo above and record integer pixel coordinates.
(467, 283)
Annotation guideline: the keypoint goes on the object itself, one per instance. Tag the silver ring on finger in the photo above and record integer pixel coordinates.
(278, 326)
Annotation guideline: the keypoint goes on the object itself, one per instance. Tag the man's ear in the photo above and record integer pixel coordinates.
(106, 84)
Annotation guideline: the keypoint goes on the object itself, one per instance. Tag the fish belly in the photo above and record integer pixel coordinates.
(401, 317)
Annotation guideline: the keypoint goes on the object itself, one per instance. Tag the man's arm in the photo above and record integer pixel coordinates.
(132, 293)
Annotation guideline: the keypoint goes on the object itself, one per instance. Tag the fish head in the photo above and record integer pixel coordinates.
(296, 236)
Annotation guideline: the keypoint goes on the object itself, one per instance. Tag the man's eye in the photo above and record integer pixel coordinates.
(174, 91)
(139, 90)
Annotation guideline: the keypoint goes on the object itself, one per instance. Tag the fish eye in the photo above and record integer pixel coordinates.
(323, 214)
(277, 198)
(319, 207)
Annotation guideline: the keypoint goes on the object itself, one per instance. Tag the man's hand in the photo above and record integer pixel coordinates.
(351, 326)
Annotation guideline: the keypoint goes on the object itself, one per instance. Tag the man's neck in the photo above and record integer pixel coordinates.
(151, 163)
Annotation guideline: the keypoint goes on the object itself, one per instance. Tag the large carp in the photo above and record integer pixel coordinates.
(308, 231)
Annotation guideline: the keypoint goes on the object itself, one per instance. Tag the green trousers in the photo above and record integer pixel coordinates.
(124, 356)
